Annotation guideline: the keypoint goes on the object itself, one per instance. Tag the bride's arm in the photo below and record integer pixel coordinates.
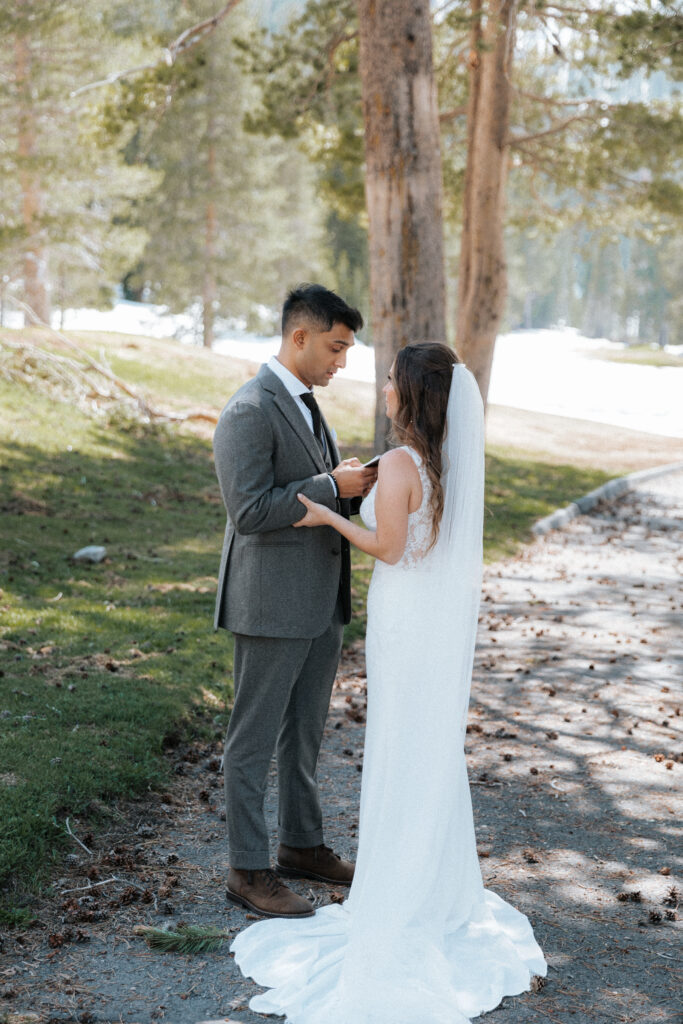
(394, 483)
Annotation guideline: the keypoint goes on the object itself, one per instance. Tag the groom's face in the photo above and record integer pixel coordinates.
(319, 354)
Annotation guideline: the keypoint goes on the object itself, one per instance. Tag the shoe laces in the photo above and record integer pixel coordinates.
(326, 849)
(271, 881)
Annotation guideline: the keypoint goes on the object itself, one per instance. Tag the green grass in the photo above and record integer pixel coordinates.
(520, 490)
(103, 666)
(642, 355)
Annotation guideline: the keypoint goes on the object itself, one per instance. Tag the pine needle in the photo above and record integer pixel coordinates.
(186, 938)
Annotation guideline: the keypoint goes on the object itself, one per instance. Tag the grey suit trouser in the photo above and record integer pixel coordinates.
(282, 695)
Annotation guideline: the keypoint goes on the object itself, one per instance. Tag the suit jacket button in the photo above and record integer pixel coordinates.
(336, 551)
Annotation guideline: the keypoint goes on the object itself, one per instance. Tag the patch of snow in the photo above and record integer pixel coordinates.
(13, 319)
(551, 371)
(360, 360)
(131, 318)
(253, 347)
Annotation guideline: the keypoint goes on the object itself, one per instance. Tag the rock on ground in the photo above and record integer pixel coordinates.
(91, 553)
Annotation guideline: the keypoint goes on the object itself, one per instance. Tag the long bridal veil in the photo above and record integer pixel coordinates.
(419, 940)
(456, 559)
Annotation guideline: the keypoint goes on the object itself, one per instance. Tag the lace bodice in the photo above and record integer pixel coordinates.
(419, 521)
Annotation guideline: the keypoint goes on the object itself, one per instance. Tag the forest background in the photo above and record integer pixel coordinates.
(209, 169)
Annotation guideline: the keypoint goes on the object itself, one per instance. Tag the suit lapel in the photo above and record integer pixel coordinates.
(288, 408)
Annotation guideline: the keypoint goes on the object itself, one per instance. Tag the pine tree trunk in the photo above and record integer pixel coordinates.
(598, 318)
(482, 282)
(402, 183)
(35, 285)
(209, 281)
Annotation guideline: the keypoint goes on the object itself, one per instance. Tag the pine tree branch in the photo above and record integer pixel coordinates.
(188, 39)
(118, 75)
(96, 885)
(91, 363)
(564, 15)
(535, 159)
(328, 69)
(518, 140)
(543, 204)
(458, 51)
(186, 938)
(674, 45)
(325, 73)
(450, 115)
(74, 836)
(81, 370)
(194, 35)
(551, 101)
(563, 8)
(437, 12)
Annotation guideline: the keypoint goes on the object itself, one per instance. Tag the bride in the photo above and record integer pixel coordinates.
(419, 940)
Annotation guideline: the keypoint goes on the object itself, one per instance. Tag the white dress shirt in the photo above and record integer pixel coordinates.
(297, 388)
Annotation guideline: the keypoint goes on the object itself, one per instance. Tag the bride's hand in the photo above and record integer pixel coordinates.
(316, 515)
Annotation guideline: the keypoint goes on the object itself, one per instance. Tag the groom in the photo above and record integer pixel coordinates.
(285, 595)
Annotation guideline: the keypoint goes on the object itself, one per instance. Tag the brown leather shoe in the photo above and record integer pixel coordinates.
(263, 893)
(317, 862)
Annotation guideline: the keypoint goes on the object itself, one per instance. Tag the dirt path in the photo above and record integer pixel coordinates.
(575, 749)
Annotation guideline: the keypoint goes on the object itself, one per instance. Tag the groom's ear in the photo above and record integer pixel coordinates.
(299, 337)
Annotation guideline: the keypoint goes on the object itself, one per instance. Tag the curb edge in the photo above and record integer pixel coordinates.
(609, 491)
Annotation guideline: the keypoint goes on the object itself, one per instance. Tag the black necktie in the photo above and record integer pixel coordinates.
(314, 409)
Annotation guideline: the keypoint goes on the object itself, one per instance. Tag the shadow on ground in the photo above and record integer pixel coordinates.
(574, 749)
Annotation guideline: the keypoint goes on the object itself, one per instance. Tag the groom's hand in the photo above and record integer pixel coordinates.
(353, 479)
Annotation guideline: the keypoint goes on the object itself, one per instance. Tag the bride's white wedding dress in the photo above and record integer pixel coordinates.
(419, 939)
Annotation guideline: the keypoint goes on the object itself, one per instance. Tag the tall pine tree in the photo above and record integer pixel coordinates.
(63, 235)
(231, 223)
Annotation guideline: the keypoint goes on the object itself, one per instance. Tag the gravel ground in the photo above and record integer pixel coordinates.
(574, 748)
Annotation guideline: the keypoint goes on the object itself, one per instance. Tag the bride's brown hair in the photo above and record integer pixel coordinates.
(422, 377)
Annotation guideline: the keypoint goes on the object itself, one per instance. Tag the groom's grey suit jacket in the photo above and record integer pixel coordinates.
(275, 580)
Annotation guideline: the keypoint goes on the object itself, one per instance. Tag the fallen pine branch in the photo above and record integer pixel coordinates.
(106, 881)
(74, 836)
(78, 377)
(186, 938)
(91, 885)
(182, 417)
(90, 363)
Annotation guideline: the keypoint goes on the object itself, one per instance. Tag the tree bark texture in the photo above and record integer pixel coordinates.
(209, 275)
(403, 183)
(209, 281)
(482, 279)
(35, 285)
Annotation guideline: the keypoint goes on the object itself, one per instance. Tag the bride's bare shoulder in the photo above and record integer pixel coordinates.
(398, 463)
(399, 476)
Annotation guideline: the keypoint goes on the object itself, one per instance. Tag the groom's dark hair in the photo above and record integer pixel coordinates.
(311, 305)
